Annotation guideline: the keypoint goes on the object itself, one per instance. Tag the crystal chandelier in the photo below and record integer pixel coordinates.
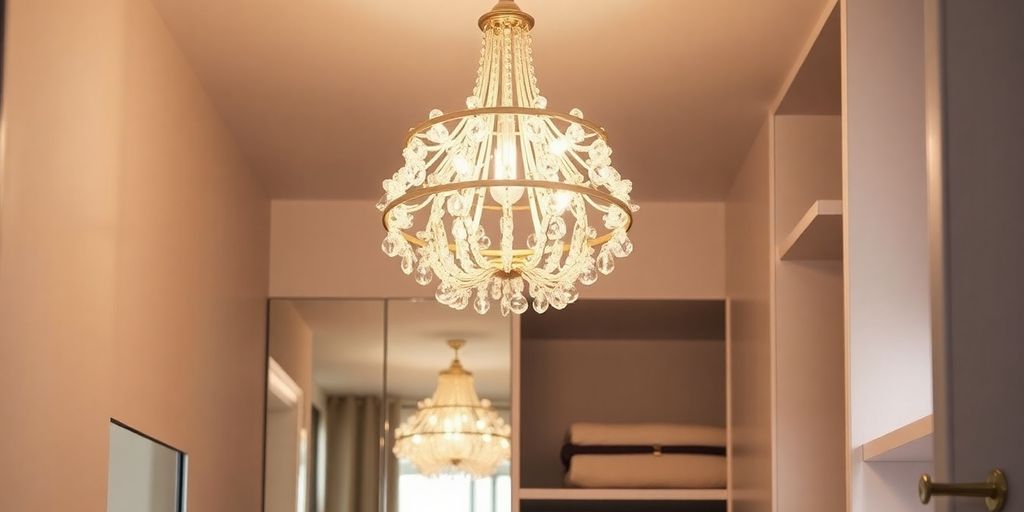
(540, 182)
(454, 431)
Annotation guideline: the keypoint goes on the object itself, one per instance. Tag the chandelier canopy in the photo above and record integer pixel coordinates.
(540, 182)
(454, 431)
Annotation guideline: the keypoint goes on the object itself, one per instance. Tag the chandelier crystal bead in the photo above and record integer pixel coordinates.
(506, 199)
(454, 431)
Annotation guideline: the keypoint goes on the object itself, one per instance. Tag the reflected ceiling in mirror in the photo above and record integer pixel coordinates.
(347, 351)
(418, 331)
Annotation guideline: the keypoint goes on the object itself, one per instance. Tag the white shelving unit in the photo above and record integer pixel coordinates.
(818, 235)
(672, 344)
(910, 443)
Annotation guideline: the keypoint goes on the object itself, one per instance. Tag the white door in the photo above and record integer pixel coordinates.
(976, 175)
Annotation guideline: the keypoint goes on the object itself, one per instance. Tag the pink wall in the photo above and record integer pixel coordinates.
(324, 249)
(133, 267)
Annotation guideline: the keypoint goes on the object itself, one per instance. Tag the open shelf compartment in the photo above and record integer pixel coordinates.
(571, 367)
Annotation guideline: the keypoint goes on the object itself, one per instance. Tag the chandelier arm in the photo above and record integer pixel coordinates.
(485, 70)
(506, 65)
(481, 157)
(478, 85)
(521, 85)
(535, 209)
(530, 74)
(415, 207)
(443, 433)
(574, 155)
(440, 147)
(439, 153)
(494, 80)
(531, 111)
(478, 257)
(589, 193)
(604, 208)
(537, 229)
(421, 192)
(481, 196)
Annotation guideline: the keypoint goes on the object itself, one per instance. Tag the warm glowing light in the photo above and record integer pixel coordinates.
(559, 146)
(561, 216)
(472, 439)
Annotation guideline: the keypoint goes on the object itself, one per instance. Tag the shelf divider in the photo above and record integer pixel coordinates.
(818, 235)
(623, 494)
(909, 443)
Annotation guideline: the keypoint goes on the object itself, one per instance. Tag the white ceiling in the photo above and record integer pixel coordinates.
(319, 93)
(349, 352)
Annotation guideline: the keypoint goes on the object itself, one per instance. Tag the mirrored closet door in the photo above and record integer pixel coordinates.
(325, 395)
(387, 406)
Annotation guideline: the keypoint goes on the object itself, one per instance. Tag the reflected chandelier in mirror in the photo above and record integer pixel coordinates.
(454, 431)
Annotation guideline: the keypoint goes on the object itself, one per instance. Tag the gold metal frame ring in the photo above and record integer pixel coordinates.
(595, 194)
(482, 111)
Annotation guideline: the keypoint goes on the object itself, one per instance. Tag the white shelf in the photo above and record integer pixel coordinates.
(910, 443)
(624, 494)
(818, 235)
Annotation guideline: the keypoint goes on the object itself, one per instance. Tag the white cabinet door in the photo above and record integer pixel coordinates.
(976, 175)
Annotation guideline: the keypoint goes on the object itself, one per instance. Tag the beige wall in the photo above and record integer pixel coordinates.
(749, 255)
(133, 262)
(324, 249)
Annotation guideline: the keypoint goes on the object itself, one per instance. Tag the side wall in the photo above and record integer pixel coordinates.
(324, 249)
(133, 267)
(749, 255)
(886, 232)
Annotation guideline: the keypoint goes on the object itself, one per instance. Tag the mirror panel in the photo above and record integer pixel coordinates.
(341, 373)
(324, 419)
(143, 474)
(418, 332)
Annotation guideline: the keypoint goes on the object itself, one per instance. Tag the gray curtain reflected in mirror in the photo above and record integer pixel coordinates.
(344, 374)
(144, 475)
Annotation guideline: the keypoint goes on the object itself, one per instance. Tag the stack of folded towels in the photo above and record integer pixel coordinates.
(644, 456)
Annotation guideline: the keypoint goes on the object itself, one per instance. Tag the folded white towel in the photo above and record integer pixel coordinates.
(647, 471)
(645, 434)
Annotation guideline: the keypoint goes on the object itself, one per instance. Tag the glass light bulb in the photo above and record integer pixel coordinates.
(559, 146)
(505, 163)
(559, 202)
(462, 166)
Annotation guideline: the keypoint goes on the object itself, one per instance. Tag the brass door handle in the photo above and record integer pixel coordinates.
(993, 490)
